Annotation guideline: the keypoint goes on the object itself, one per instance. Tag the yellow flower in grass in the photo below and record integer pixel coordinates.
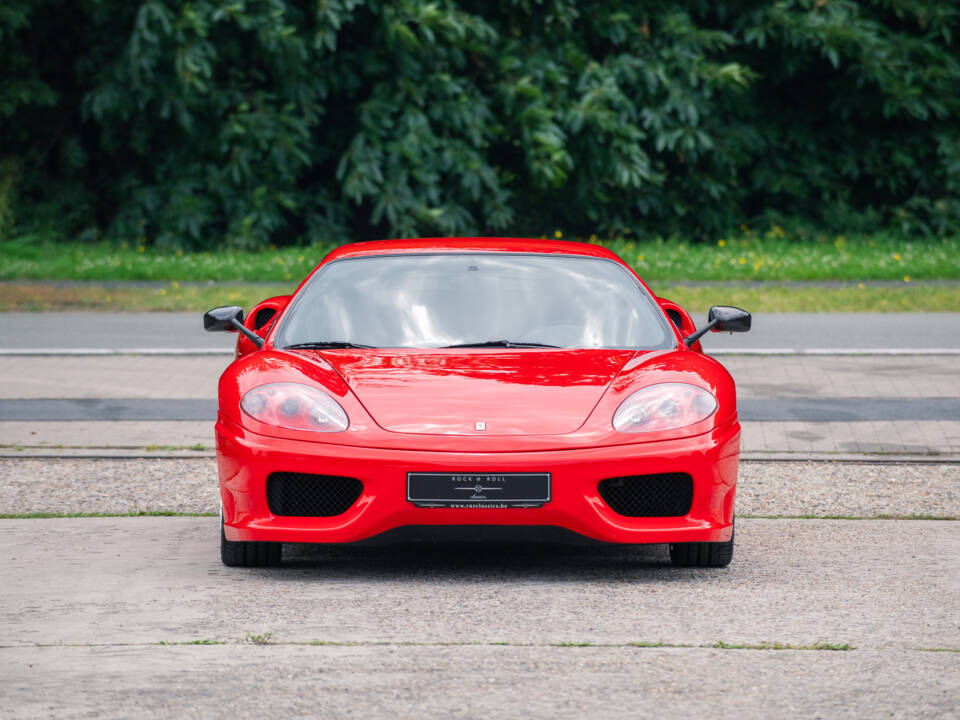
(722, 243)
(896, 256)
(906, 278)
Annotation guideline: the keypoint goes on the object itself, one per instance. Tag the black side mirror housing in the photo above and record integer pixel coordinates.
(729, 319)
(223, 319)
(229, 318)
(722, 318)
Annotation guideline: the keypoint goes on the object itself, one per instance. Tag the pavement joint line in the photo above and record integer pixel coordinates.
(254, 640)
(638, 645)
(41, 352)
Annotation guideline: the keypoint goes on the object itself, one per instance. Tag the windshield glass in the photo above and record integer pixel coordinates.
(429, 301)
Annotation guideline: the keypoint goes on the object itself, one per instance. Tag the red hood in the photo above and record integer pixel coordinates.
(447, 392)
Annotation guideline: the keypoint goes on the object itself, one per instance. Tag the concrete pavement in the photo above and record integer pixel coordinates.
(875, 584)
(502, 681)
(465, 631)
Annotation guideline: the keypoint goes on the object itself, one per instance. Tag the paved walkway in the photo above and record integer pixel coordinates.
(136, 616)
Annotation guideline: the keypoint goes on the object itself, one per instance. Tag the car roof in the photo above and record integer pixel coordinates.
(469, 244)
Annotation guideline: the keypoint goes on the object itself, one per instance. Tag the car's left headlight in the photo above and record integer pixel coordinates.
(665, 406)
(295, 406)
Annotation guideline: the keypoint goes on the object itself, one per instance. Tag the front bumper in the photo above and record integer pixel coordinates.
(245, 460)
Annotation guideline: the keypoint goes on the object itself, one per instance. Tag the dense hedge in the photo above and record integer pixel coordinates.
(248, 122)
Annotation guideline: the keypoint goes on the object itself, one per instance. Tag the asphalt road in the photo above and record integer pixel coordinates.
(779, 332)
(101, 621)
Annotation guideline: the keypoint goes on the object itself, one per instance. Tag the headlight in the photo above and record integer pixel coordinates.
(295, 406)
(664, 407)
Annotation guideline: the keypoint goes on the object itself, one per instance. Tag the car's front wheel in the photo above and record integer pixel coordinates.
(248, 554)
(702, 554)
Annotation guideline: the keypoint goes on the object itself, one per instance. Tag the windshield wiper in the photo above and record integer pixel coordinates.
(327, 345)
(501, 343)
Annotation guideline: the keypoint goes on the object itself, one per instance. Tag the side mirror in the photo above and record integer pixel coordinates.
(722, 318)
(729, 319)
(229, 318)
(223, 319)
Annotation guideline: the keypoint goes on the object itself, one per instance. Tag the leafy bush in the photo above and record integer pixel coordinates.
(251, 122)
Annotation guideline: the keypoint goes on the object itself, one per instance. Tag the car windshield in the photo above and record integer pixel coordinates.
(474, 299)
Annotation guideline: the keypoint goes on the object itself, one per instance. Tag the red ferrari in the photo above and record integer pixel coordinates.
(472, 387)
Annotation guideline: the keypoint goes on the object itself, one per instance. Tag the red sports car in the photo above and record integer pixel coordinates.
(475, 386)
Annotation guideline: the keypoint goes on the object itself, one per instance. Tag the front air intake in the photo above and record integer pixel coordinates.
(661, 495)
(306, 495)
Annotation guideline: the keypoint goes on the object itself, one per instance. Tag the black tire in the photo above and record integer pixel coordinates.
(249, 554)
(702, 554)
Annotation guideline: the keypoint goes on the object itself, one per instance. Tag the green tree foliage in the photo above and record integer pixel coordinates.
(249, 122)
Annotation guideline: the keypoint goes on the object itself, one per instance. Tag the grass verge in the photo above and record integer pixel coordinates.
(173, 298)
(29, 297)
(746, 256)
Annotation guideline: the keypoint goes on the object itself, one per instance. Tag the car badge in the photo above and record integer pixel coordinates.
(481, 425)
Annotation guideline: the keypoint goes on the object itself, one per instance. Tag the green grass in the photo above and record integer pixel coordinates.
(192, 642)
(720, 645)
(747, 256)
(173, 297)
(776, 299)
(260, 639)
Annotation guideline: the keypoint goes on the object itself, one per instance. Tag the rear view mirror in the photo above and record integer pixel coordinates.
(223, 319)
(729, 319)
(229, 318)
(722, 318)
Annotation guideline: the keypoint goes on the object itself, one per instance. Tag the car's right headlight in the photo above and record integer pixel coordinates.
(665, 406)
(295, 406)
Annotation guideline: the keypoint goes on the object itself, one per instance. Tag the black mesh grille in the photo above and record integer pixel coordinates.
(663, 495)
(306, 495)
(263, 317)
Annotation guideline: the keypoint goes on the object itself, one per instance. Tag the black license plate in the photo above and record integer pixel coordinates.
(478, 490)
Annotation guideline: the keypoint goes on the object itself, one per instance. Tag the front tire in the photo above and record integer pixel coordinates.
(702, 554)
(249, 554)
